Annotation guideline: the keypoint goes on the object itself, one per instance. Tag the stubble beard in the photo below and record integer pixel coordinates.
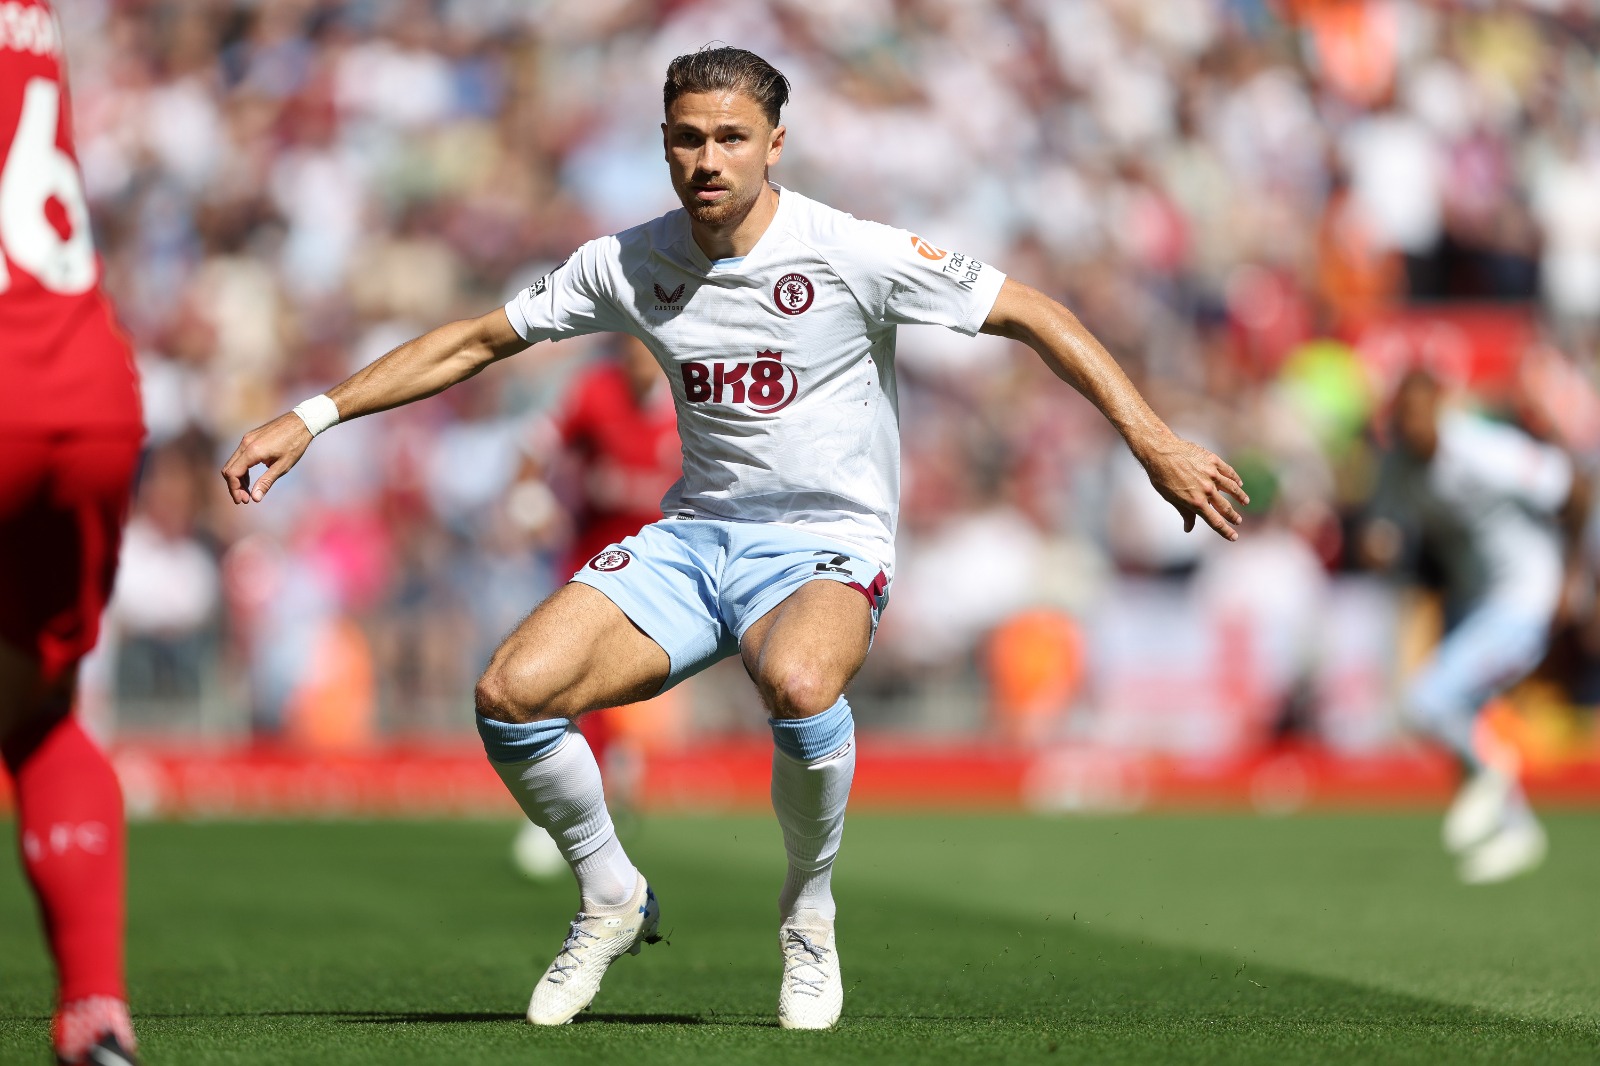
(731, 207)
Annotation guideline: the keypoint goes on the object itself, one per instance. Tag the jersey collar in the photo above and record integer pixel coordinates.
(752, 258)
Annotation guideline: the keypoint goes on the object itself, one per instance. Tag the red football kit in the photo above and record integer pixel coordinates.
(69, 406)
(69, 440)
(627, 455)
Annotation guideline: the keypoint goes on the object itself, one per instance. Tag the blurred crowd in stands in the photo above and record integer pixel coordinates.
(1265, 209)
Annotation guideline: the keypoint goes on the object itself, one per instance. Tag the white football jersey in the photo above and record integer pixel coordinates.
(1489, 497)
(781, 362)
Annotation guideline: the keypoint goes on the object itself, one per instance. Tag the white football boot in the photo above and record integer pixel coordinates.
(1481, 808)
(593, 943)
(812, 993)
(1516, 848)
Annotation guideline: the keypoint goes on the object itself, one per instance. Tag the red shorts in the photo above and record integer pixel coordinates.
(63, 499)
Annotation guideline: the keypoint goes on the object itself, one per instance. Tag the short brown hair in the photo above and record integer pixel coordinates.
(723, 69)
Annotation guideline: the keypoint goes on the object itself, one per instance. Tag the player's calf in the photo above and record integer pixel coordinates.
(69, 816)
(575, 652)
(813, 764)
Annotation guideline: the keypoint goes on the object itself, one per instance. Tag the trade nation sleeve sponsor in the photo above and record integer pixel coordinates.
(903, 279)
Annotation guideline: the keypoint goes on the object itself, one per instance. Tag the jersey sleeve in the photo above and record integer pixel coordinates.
(903, 280)
(1537, 474)
(1512, 464)
(572, 300)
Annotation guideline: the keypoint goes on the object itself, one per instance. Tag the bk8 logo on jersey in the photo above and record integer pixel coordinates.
(763, 385)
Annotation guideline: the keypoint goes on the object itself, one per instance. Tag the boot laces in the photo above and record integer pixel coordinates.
(802, 954)
(568, 959)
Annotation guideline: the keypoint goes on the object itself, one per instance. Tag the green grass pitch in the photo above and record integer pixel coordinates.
(965, 939)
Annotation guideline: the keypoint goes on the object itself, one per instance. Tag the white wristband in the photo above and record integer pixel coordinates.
(318, 413)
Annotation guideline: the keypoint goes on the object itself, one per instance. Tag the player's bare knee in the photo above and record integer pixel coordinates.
(799, 692)
(491, 698)
(511, 692)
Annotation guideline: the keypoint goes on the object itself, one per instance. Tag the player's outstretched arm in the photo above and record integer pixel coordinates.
(417, 369)
(1188, 476)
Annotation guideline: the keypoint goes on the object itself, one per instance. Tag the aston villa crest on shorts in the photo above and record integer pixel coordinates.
(610, 559)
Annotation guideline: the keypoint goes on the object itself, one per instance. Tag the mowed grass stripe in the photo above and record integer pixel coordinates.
(405, 942)
(1367, 898)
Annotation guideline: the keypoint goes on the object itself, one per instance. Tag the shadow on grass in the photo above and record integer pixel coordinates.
(443, 1017)
(424, 1017)
(435, 1017)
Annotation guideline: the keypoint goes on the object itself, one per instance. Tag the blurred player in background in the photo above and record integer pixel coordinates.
(1486, 499)
(70, 430)
(618, 432)
(775, 319)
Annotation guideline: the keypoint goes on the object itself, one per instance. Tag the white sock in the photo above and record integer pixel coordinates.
(809, 798)
(562, 793)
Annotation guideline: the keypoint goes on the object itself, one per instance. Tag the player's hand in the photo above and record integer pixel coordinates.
(1198, 484)
(278, 445)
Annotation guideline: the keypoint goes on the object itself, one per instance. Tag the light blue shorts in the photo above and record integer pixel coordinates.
(1487, 652)
(695, 586)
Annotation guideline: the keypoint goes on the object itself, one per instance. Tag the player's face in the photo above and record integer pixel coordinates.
(1416, 418)
(719, 146)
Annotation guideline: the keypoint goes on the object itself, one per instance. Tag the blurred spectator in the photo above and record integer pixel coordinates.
(165, 604)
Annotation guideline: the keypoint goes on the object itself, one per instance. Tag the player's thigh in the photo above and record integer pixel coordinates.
(576, 652)
(32, 531)
(62, 503)
(1488, 652)
(30, 705)
(803, 652)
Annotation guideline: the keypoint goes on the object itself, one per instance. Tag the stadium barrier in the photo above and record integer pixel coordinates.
(451, 779)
